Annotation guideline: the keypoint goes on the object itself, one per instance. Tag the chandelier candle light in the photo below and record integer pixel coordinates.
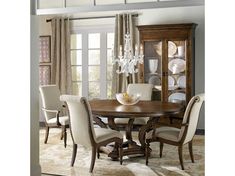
(127, 63)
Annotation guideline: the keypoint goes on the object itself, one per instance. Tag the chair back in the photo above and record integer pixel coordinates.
(80, 117)
(144, 89)
(191, 117)
(50, 95)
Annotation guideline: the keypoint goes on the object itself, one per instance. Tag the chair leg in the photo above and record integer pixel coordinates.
(171, 120)
(120, 153)
(98, 153)
(93, 159)
(46, 134)
(161, 149)
(74, 154)
(64, 135)
(147, 153)
(190, 146)
(180, 150)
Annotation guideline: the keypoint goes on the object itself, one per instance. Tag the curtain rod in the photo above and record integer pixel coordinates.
(87, 18)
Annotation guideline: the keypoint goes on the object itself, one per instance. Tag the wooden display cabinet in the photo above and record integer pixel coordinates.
(169, 53)
(169, 60)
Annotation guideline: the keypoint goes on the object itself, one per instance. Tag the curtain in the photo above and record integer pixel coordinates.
(123, 23)
(61, 63)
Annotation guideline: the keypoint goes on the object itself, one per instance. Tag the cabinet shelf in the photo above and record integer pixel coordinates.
(176, 74)
(177, 90)
(158, 74)
(175, 56)
(171, 90)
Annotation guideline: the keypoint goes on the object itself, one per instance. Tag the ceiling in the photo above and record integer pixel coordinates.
(45, 7)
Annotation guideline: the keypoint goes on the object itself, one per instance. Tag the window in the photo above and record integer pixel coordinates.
(94, 65)
(76, 62)
(91, 60)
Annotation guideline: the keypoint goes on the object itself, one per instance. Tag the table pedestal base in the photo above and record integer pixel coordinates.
(129, 148)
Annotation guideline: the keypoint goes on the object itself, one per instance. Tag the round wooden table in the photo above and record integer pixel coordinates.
(154, 109)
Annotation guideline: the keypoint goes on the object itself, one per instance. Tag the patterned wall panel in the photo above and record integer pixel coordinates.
(44, 60)
(44, 49)
(44, 75)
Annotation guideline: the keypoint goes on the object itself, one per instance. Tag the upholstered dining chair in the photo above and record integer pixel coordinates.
(175, 136)
(83, 131)
(145, 90)
(52, 108)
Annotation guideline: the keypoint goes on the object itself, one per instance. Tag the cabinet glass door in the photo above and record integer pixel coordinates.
(176, 71)
(153, 67)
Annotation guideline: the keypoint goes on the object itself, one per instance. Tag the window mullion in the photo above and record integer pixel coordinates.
(103, 65)
(85, 64)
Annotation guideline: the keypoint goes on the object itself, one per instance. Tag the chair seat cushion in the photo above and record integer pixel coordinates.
(137, 121)
(103, 134)
(168, 133)
(64, 120)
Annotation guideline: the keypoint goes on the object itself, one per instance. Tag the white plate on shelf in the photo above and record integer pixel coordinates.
(172, 48)
(181, 81)
(155, 80)
(171, 81)
(173, 87)
(177, 96)
(177, 65)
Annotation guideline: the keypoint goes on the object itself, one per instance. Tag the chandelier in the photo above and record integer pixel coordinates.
(127, 63)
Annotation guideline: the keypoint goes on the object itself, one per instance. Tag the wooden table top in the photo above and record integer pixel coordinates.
(112, 108)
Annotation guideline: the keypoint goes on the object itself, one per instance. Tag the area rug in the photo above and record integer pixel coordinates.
(55, 159)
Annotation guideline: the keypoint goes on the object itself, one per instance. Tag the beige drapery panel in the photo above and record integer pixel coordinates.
(61, 63)
(123, 23)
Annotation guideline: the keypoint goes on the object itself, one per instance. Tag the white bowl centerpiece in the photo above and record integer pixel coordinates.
(128, 99)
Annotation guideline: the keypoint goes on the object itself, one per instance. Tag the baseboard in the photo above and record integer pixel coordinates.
(35, 169)
(41, 124)
(52, 174)
(200, 132)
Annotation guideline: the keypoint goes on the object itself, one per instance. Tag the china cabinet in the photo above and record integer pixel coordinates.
(168, 60)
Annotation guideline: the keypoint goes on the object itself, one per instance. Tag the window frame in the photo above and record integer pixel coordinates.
(84, 31)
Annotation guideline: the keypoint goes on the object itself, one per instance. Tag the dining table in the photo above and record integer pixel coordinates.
(111, 109)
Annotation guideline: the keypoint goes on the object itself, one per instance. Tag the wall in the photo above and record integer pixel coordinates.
(163, 16)
(35, 169)
(44, 29)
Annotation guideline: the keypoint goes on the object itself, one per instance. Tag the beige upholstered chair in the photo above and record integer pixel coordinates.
(175, 136)
(83, 131)
(52, 109)
(146, 94)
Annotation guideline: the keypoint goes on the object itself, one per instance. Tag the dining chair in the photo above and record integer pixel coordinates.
(145, 90)
(83, 131)
(52, 109)
(175, 136)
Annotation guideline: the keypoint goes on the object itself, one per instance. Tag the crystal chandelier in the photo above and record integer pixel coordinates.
(127, 63)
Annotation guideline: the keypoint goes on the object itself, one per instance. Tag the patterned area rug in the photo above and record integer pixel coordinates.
(55, 159)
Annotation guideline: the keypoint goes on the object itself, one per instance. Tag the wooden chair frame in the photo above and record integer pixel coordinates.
(58, 125)
(180, 143)
(95, 145)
